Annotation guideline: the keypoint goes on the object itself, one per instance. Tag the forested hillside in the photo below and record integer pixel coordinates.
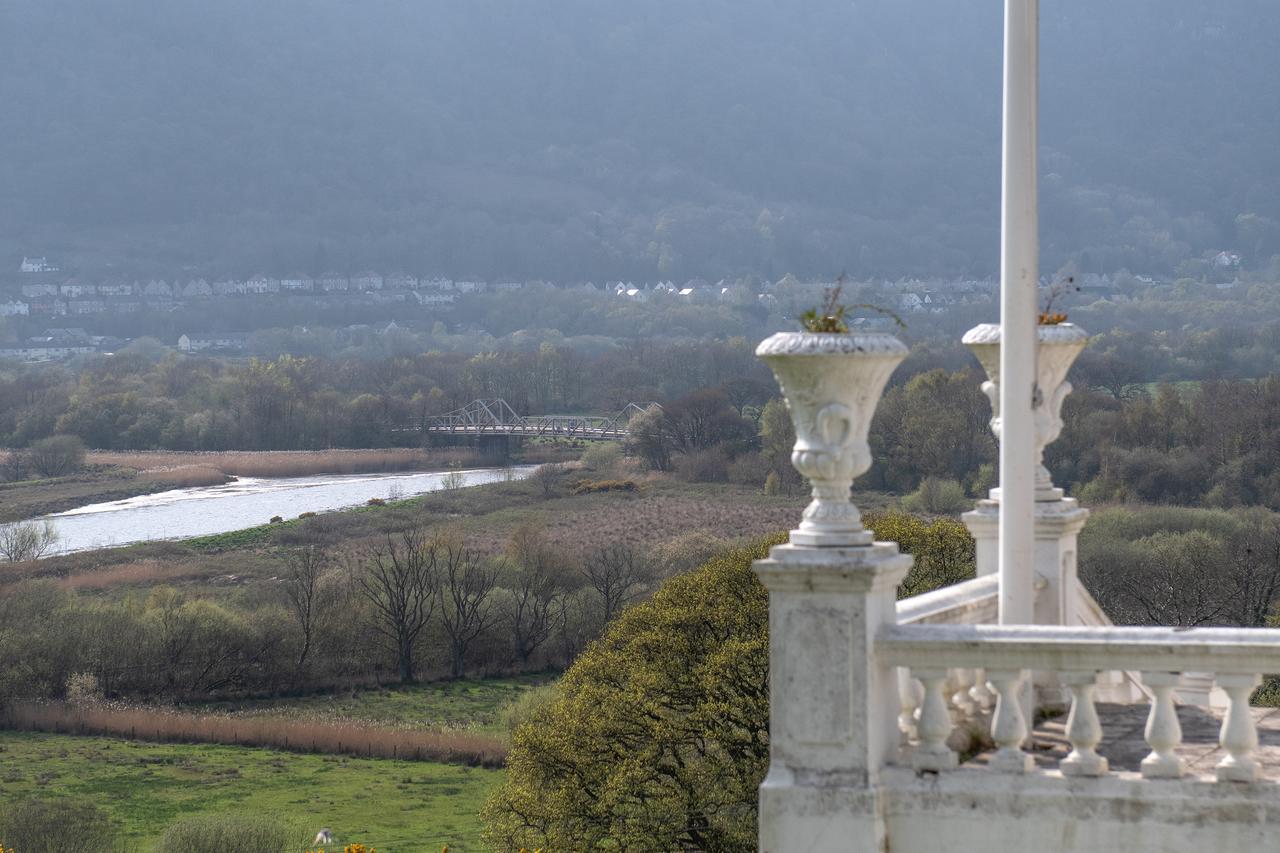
(588, 139)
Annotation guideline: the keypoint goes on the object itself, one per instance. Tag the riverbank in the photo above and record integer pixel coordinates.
(111, 475)
(288, 463)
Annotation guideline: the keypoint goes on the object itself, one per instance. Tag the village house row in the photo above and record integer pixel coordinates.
(42, 290)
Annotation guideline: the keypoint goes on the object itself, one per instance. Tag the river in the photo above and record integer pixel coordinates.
(247, 502)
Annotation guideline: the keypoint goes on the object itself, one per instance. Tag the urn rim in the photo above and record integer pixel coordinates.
(1058, 334)
(831, 343)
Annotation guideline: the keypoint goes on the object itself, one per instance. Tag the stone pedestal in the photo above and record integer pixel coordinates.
(1058, 524)
(833, 708)
(1055, 569)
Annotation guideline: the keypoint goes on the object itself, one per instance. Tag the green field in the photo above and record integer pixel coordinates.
(473, 704)
(395, 806)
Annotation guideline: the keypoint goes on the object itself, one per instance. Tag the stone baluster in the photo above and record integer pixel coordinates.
(1164, 732)
(1009, 728)
(932, 753)
(1239, 734)
(961, 700)
(910, 695)
(1083, 729)
(980, 692)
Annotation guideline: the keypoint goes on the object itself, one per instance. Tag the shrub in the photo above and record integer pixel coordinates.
(222, 833)
(749, 469)
(454, 479)
(277, 519)
(686, 552)
(937, 497)
(658, 737)
(57, 455)
(26, 540)
(375, 502)
(57, 826)
(83, 689)
(773, 484)
(527, 706)
(587, 487)
(546, 478)
(704, 466)
(602, 456)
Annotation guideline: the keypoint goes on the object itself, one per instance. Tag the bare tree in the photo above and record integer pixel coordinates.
(307, 566)
(618, 573)
(14, 466)
(1254, 572)
(547, 477)
(57, 455)
(27, 540)
(466, 585)
(536, 606)
(399, 579)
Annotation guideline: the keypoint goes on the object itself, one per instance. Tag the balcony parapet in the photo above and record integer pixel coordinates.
(1236, 658)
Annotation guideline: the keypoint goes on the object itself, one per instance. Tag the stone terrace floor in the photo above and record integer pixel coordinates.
(1124, 746)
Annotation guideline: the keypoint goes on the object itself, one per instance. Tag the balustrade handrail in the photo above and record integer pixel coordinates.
(961, 603)
(1242, 651)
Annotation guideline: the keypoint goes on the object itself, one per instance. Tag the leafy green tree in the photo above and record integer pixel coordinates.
(942, 548)
(658, 737)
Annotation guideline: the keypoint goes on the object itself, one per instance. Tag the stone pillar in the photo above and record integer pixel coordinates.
(1057, 524)
(833, 713)
(833, 706)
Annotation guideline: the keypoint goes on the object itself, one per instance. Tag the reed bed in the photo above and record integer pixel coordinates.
(289, 463)
(187, 476)
(334, 737)
(146, 572)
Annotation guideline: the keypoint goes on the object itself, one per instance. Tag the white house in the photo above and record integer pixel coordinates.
(297, 282)
(80, 307)
(433, 298)
(115, 287)
(37, 265)
(260, 284)
(224, 341)
(157, 287)
(14, 308)
(366, 281)
(331, 281)
(76, 286)
(401, 281)
(197, 288)
(35, 291)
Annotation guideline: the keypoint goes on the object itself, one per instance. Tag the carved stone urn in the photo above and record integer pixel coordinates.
(832, 383)
(1059, 346)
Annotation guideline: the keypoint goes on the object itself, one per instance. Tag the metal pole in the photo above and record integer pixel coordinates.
(1019, 279)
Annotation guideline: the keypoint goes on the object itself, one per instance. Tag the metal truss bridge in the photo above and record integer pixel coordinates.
(495, 417)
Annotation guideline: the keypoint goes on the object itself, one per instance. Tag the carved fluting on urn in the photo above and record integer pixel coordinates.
(1059, 346)
(831, 383)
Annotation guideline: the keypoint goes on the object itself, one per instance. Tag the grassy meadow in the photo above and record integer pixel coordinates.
(395, 806)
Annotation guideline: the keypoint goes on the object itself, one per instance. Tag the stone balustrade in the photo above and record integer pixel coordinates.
(933, 654)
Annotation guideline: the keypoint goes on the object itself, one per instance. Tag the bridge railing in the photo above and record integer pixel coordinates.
(497, 417)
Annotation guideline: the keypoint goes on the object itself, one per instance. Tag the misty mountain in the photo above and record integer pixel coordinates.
(577, 139)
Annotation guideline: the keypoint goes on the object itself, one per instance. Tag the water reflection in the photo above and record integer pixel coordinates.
(247, 502)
